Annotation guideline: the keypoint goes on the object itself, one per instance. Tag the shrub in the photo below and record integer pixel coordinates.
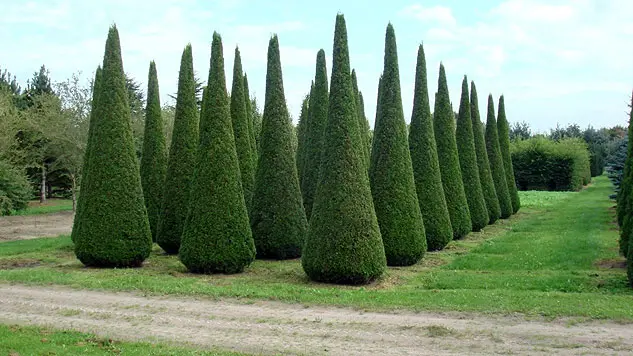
(113, 230)
(15, 189)
(625, 200)
(216, 236)
(343, 243)
(496, 162)
(391, 172)
(182, 156)
(278, 220)
(615, 167)
(543, 164)
(504, 144)
(251, 123)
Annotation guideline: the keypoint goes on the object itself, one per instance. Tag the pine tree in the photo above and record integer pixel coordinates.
(251, 127)
(302, 128)
(468, 163)
(154, 158)
(496, 162)
(114, 228)
(278, 220)
(182, 158)
(625, 199)
(391, 172)
(362, 122)
(217, 237)
(444, 127)
(239, 121)
(85, 179)
(343, 244)
(485, 174)
(503, 129)
(426, 168)
(314, 137)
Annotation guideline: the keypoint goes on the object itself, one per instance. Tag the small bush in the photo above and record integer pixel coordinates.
(543, 164)
(15, 189)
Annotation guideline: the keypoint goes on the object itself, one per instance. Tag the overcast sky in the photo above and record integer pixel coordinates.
(556, 61)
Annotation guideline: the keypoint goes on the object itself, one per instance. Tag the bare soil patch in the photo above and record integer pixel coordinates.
(34, 226)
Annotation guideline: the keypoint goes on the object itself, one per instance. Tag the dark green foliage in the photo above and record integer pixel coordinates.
(468, 163)
(317, 120)
(391, 172)
(85, 178)
(625, 202)
(543, 164)
(278, 220)
(302, 132)
(154, 158)
(216, 237)
(182, 158)
(15, 189)
(426, 168)
(496, 162)
(615, 169)
(444, 127)
(362, 121)
(504, 144)
(113, 230)
(251, 128)
(485, 174)
(240, 123)
(343, 244)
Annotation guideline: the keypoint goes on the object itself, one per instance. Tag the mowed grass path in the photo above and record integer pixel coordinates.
(557, 257)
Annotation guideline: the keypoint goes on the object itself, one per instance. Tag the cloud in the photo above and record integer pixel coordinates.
(440, 14)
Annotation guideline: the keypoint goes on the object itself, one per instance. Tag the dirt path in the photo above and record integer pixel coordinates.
(33, 226)
(273, 328)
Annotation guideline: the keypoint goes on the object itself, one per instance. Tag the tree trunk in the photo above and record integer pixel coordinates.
(43, 186)
(74, 191)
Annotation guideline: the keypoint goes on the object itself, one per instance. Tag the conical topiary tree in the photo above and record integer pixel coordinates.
(391, 171)
(182, 158)
(496, 162)
(114, 228)
(251, 128)
(362, 122)
(239, 121)
(444, 129)
(503, 129)
(217, 237)
(314, 137)
(625, 199)
(426, 168)
(154, 158)
(485, 174)
(343, 244)
(85, 179)
(302, 128)
(468, 163)
(278, 220)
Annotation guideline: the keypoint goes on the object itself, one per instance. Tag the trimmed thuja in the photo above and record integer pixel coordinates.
(278, 220)
(496, 162)
(113, 230)
(251, 127)
(625, 199)
(391, 172)
(182, 156)
(302, 128)
(468, 163)
(314, 133)
(154, 158)
(217, 236)
(343, 244)
(444, 128)
(485, 174)
(426, 168)
(363, 125)
(504, 144)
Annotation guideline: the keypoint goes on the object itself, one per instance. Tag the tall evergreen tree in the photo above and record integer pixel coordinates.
(302, 128)
(444, 128)
(485, 174)
(85, 180)
(239, 121)
(625, 199)
(278, 220)
(217, 237)
(468, 163)
(154, 158)
(362, 122)
(182, 158)
(496, 162)
(344, 244)
(317, 119)
(251, 127)
(391, 172)
(426, 168)
(504, 144)
(114, 228)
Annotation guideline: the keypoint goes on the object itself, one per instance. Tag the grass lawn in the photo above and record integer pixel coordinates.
(557, 257)
(51, 206)
(20, 340)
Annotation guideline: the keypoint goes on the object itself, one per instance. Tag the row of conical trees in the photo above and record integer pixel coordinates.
(625, 203)
(347, 203)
